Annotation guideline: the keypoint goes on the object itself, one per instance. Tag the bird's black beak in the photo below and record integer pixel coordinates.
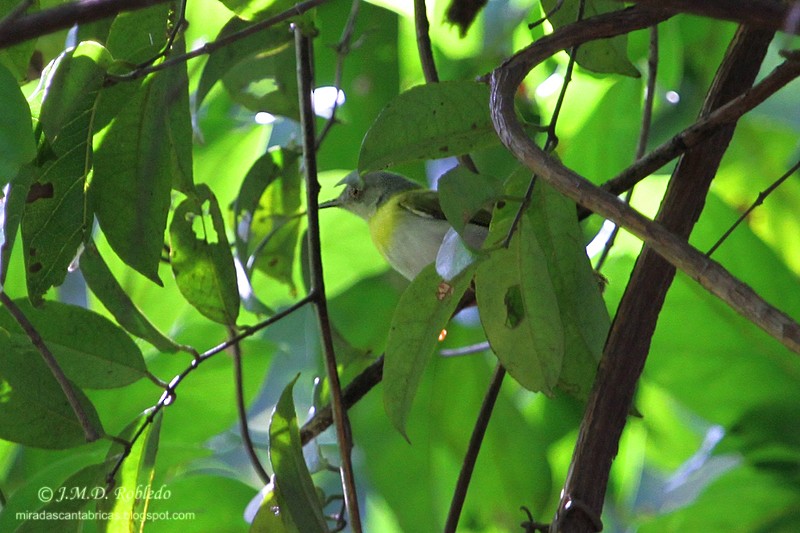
(329, 203)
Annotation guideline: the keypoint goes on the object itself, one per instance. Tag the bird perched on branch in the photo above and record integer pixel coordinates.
(405, 220)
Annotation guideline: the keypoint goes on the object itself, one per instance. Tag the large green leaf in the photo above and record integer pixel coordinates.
(603, 56)
(17, 145)
(463, 194)
(518, 304)
(108, 290)
(92, 351)
(296, 493)
(429, 122)
(35, 410)
(201, 258)
(424, 310)
(130, 189)
(55, 217)
(583, 311)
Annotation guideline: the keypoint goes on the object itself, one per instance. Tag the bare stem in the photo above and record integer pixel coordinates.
(305, 79)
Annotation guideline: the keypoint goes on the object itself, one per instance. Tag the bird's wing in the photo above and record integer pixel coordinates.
(425, 203)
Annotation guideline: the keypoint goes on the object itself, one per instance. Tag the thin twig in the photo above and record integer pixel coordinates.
(297, 9)
(712, 276)
(475, 442)
(644, 132)
(343, 48)
(241, 408)
(702, 128)
(424, 46)
(305, 83)
(88, 429)
(169, 395)
(760, 200)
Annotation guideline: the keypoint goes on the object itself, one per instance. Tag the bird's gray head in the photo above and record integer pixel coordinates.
(363, 195)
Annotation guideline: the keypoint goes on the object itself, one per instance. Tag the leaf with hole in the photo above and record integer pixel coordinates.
(55, 217)
(201, 258)
(518, 305)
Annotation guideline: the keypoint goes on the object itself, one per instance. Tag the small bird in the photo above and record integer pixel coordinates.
(405, 220)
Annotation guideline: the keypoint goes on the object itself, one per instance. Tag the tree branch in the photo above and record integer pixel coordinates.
(712, 276)
(628, 342)
(341, 421)
(765, 14)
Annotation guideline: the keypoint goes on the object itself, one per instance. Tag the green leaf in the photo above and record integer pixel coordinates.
(423, 312)
(602, 56)
(92, 351)
(265, 82)
(297, 495)
(108, 290)
(263, 43)
(55, 217)
(429, 122)
(583, 311)
(518, 305)
(12, 210)
(17, 144)
(130, 189)
(201, 258)
(35, 410)
(82, 489)
(270, 200)
(463, 193)
(133, 488)
(270, 518)
(257, 9)
(179, 123)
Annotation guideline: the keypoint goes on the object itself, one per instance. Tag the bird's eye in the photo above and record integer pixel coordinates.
(355, 193)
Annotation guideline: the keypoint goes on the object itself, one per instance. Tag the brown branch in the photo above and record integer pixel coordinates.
(628, 343)
(765, 14)
(305, 82)
(712, 276)
(89, 430)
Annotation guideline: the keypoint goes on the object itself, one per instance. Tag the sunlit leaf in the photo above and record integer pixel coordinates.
(263, 43)
(423, 312)
(297, 495)
(35, 410)
(130, 190)
(604, 55)
(55, 217)
(17, 145)
(133, 485)
(108, 290)
(429, 122)
(201, 258)
(92, 351)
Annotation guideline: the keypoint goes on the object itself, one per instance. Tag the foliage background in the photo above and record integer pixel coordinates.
(716, 448)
